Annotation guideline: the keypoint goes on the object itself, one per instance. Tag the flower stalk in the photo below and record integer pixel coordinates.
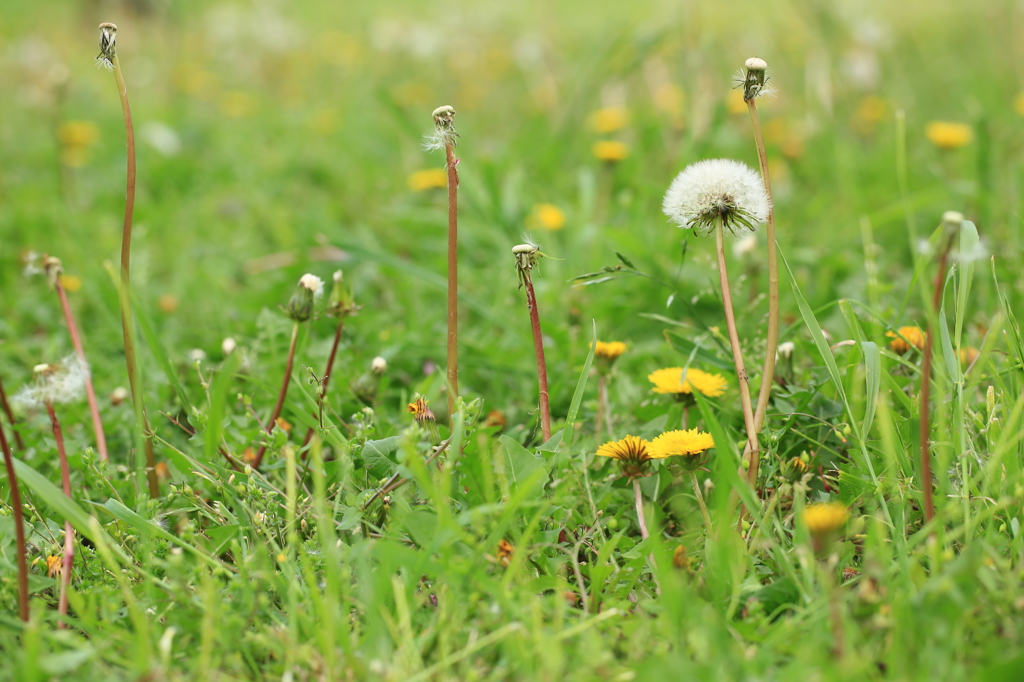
(19, 527)
(54, 269)
(281, 395)
(69, 530)
(108, 57)
(700, 501)
(527, 256)
(644, 534)
(10, 417)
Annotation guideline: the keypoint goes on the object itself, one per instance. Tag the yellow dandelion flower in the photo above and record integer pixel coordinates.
(54, 565)
(430, 178)
(871, 109)
(547, 217)
(78, 133)
(681, 443)
(419, 410)
(631, 453)
(1018, 103)
(968, 355)
(948, 135)
(167, 303)
(609, 119)
(237, 104)
(609, 350)
(670, 380)
(906, 338)
(825, 518)
(71, 283)
(610, 151)
(669, 98)
(734, 102)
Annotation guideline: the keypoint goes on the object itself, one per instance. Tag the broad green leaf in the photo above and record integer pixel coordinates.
(378, 456)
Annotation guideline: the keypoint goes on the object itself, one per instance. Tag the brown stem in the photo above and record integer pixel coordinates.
(327, 373)
(127, 323)
(538, 347)
(737, 355)
(281, 394)
(90, 391)
(19, 528)
(835, 612)
(772, 338)
(69, 530)
(640, 509)
(453, 276)
(926, 375)
(10, 417)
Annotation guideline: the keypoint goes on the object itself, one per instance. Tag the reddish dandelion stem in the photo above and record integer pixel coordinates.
(258, 459)
(90, 391)
(453, 275)
(10, 417)
(926, 375)
(542, 367)
(19, 527)
(327, 372)
(69, 531)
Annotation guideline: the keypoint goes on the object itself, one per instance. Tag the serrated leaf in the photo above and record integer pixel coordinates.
(378, 456)
(523, 467)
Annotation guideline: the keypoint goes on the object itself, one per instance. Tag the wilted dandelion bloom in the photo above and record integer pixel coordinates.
(905, 339)
(431, 178)
(631, 453)
(547, 217)
(63, 382)
(969, 354)
(609, 119)
(716, 190)
(948, 135)
(691, 445)
(610, 151)
(54, 565)
(670, 380)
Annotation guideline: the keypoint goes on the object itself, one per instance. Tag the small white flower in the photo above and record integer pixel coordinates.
(54, 384)
(786, 349)
(717, 190)
(379, 365)
(228, 346)
(197, 355)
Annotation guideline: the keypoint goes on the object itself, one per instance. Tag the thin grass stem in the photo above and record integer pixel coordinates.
(327, 375)
(700, 501)
(926, 374)
(69, 530)
(639, 501)
(19, 527)
(90, 391)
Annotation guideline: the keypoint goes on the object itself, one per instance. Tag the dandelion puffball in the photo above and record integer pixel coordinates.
(716, 190)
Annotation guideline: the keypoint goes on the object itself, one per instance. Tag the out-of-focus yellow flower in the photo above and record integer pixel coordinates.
(948, 135)
(547, 217)
(75, 138)
(871, 109)
(193, 80)
(669, 98)
(54, 565)
(670, 380)
(825, 518)
(71, 283)
(167, 303)
(610, 151)
(163, 471)
(1018, 103)
(968, 354)
(429, 178)
(609, 350)
(237, 104)
(324, 122)
(734, 102)
(905, 339)
(609, 119)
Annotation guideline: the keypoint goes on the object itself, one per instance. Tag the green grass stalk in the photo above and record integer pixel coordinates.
(19, 527)
(700, 501)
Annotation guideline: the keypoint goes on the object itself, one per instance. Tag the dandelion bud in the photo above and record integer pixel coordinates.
(228, 346)
(379, 365)
(365, 387)
(786, 349)
(341, 302)
(300, 307)
(118, 396)
(54, 268)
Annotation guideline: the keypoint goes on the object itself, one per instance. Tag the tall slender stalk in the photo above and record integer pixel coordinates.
(108, 54)
(69, 530)
(527, 256)
(327, 374)
(639, 501)
(926, 376)
(76, 341)
(734, 342)
(700, 502)
(446, 137)
(258, 459)
(10, 417)
(19, 527)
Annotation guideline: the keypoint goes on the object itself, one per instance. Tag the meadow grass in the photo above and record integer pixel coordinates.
(276, 140)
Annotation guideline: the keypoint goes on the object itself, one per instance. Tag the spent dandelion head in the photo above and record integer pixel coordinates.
(672, 381)
(631, 452)
(690, 445)
(714, 190)
(54, 268)
(444, 134)
(63, 382)
(424, 417)
(108, 47)
(300, 306)
(342, 301)
(754, 79)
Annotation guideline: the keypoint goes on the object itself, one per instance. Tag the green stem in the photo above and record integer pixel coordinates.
(640, 509)
(700, 501)
(453, 277)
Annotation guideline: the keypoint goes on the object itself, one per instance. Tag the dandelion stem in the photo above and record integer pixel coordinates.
(700, 501)
(327, 374)
(10, 417)
(640, 509)
(69, 530)
(258, 459)
(734, 341)
(19, 527)
(90, 391)
(602, 402)
(453, 274)
(834, 610)
(926, 375)
(127, 323)
(538, 347)
(772, 339)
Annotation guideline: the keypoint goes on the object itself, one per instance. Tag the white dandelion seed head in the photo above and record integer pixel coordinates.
(717, 189)
(745, 245)
(228, 346)
(313, 283)
(378, 365)
(786, 349)
(59, 383)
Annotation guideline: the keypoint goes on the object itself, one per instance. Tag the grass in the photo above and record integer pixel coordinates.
(274, 142)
